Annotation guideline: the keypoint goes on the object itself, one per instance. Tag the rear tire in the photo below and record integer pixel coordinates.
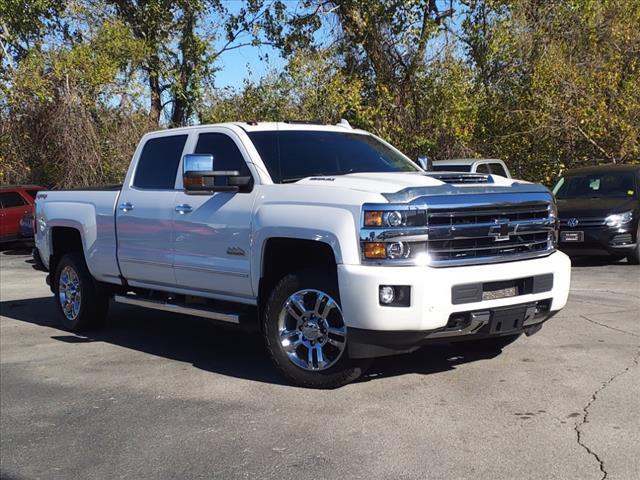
(305, 333)
(81, 305)
(491, 344)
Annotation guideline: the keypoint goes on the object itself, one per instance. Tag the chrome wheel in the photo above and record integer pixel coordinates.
(311, 330)
(69, 293)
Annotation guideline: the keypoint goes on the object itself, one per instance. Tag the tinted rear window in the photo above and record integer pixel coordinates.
(158, 164)
(11, 199)
(295, 154)
(32, 193)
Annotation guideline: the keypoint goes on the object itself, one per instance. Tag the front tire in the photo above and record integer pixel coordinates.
(81, 306)
(305, 333)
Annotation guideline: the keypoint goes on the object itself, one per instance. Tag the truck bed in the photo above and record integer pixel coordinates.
(91, 211)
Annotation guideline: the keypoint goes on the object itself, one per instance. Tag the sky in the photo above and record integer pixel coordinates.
(246, 62)
(242, 63)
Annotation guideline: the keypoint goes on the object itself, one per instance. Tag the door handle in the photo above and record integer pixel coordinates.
(184, 208)
(125, 207)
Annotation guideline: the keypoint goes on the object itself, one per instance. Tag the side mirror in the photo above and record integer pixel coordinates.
(198, 176)
(425, 162)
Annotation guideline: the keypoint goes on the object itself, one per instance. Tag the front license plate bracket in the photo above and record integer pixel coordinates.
(509, 320)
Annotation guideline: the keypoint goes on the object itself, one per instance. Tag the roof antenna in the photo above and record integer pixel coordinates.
(344, 123)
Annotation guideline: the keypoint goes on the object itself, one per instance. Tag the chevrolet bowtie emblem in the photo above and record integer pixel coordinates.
(500, 230)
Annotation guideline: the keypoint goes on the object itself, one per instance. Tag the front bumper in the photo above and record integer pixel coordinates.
(601, 240)
(463, 326)
(431, 304)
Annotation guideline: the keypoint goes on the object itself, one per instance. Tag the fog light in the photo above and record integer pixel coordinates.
(387, 294)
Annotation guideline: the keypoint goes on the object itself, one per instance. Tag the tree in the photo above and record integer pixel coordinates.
(180, 39)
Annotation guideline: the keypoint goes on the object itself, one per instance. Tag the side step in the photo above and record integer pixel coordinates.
(178, 308)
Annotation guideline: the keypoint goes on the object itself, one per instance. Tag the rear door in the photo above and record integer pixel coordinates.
(14, 207)
(144, 213)
(212, 233)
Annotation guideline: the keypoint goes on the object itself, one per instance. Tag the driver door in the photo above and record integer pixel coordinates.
(212, 232)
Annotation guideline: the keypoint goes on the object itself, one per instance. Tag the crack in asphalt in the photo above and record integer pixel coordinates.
(585, 410)
(610, 327)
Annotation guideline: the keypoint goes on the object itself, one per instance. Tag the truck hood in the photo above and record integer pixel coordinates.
(390, 182)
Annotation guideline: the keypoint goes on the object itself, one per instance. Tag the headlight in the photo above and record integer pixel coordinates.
(619, 219)
(395, 218)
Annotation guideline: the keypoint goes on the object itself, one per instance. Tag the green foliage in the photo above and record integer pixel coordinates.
(544, 85)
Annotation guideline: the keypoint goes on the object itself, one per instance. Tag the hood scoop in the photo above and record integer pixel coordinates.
(459, 178)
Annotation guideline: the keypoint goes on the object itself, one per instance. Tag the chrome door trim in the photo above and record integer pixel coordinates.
(145, 262)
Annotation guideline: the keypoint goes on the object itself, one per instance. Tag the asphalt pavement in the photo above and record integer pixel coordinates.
(162, 396)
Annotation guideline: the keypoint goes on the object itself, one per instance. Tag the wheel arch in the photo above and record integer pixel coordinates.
(64, 239)
(283, 255)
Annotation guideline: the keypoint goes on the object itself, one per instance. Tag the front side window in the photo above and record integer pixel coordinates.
(296, 154)
(226, 154)
(482, 168)
(596, 185)
(32, 193)
(498, 169)
(158, 164)
(11, 199)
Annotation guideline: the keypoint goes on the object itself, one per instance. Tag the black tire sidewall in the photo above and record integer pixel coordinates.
(344, 371)
(93, 305)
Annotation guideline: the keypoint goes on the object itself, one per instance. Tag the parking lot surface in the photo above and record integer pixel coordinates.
(156, 396)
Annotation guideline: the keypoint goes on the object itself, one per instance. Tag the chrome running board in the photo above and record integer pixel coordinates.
(178, 308)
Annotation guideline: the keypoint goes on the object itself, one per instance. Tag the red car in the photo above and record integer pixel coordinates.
(16, 212)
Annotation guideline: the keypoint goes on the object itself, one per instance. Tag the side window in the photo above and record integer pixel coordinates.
(483, 168)
(158, 164)
(11, 199)
(32, 193)
(226, 155)
(498, 169)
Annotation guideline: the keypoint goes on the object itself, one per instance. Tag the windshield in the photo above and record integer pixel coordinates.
(596, 185)
(291, 155)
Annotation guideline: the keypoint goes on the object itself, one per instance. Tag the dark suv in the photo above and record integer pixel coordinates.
(599, 209)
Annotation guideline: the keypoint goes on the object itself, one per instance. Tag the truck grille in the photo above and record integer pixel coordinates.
(489, 234)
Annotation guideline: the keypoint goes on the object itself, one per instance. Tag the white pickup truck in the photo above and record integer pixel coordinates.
(326, 239)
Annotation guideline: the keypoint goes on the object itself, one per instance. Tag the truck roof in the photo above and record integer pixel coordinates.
(465, 161)
(343, 126)
(607, 167)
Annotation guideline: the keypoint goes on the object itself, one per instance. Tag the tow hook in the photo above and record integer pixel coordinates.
(533, 330)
